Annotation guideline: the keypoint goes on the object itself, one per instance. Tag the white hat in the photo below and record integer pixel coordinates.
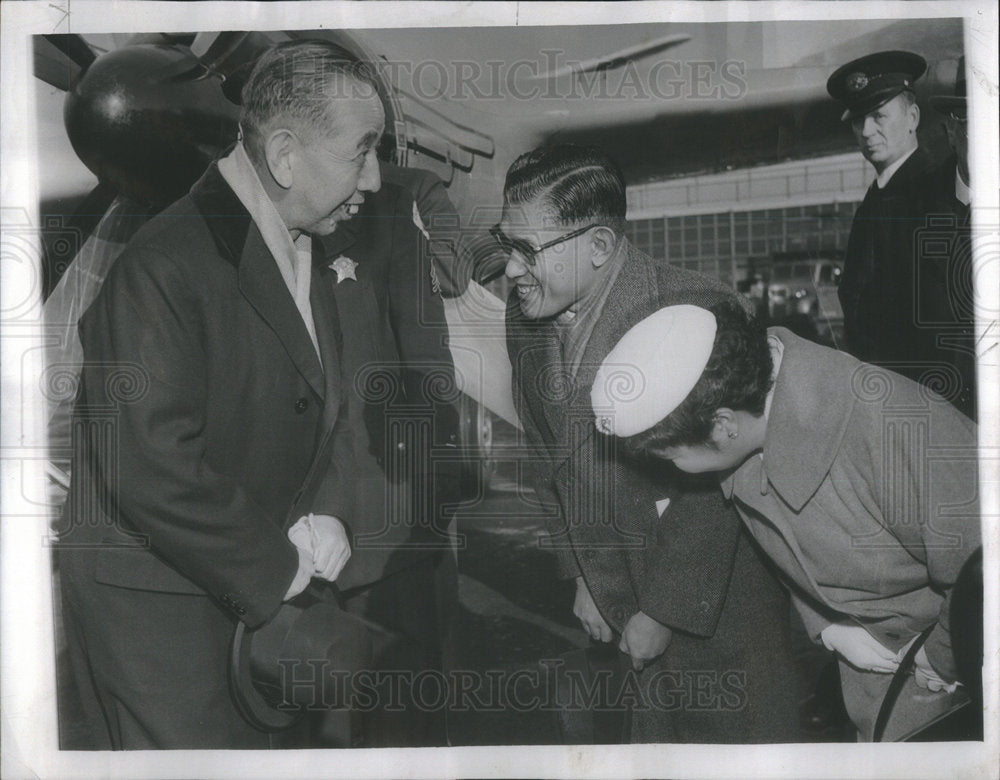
(652, 369)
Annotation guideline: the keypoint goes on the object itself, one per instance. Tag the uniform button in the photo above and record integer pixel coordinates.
(705, 606)
(241, 611)
(301, 405)
(401, 446)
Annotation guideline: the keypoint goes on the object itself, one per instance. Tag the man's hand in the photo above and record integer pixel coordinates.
(331, 548)
(585, 609)
(644, 639)
(924, 675)
(325, 539)
(859, 648)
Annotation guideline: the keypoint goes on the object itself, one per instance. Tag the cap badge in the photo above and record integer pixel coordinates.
(857, 82)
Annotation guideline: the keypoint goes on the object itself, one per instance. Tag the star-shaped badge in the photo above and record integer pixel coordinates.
(344, 267)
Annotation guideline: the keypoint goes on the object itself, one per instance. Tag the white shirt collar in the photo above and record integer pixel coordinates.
(883, 178)
(294, 259)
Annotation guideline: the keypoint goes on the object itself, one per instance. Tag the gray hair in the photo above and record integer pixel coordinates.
(298, 83)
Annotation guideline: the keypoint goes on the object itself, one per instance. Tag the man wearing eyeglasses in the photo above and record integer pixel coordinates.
(661, 568)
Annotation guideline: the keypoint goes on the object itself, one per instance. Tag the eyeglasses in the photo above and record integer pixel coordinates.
(526, 250)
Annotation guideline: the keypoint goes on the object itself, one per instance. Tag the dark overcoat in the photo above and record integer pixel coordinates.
(206, 424)
(644, 540)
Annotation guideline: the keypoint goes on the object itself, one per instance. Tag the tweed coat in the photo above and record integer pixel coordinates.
(206, 424)
(643, 536)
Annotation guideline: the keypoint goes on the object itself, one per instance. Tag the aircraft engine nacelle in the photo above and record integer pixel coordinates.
(147, 119)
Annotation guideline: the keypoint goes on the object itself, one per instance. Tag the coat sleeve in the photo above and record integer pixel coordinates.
(932, 508)
(148, 320)
(690, 564)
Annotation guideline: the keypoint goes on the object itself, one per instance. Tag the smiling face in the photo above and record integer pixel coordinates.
(887, 133)
(562, 274)
(331, 174)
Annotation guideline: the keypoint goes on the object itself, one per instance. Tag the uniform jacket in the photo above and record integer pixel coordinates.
(907, 281)
(208, 423)
(865, 496)
(399, 376)
(639, 540)
(452, 268)
(879, 270)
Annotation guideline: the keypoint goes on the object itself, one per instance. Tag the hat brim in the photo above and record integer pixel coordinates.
(872, 103)
(248, 700)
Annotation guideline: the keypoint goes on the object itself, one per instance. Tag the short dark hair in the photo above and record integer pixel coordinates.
(577, 183)
(737, 377)
(298, 81)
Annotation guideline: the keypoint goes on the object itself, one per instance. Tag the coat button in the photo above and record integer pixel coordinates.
(240, 610)
(301, 405)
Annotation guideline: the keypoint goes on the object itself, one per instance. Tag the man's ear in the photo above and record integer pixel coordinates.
(603, 242)
(915, 111)
(280, 148)
(725, 427)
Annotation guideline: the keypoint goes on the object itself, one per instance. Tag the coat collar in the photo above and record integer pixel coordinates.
(240, 243)
(901, 182)
(810, 413)
(634, 295)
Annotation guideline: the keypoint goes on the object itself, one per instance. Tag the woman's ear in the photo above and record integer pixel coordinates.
(725, 427)
(280, 147)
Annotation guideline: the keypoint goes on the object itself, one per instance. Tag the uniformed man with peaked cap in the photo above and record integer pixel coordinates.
(882, 318)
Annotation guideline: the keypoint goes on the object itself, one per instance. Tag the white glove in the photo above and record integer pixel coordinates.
(924, 674)
(859, 648)
(303, 575)
(325, 539)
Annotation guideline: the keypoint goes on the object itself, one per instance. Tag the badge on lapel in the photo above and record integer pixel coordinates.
(344, 267)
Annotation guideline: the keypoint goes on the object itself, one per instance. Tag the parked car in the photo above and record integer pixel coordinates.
(807, 289)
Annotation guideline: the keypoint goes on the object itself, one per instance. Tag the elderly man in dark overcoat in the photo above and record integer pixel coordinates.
(211, 462)
(661, 566)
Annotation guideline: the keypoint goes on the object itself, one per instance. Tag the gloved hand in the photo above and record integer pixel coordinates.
(644, 639)
(859, 648)
(590, 617)
(325, 539)
(305, 572)
(923, 673)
